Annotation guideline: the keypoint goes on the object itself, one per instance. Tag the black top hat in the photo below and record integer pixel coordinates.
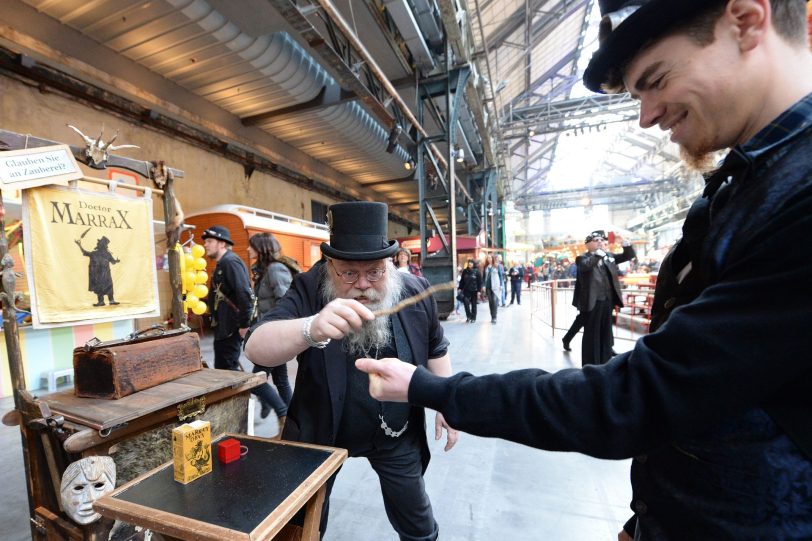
(358, 232)
(600, 233)
(628, 25)
(218, 232)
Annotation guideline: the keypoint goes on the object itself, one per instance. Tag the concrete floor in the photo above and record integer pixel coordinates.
(483, 489)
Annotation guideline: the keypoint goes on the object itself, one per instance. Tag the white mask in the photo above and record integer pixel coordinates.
(84, 482)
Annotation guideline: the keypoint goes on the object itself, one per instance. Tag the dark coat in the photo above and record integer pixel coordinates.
(588, 281)
(235, 308)
(321, 380)
(516, 273)
(705, 404)
(470, 280)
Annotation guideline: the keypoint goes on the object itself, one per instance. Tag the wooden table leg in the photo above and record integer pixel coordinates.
(312, 520)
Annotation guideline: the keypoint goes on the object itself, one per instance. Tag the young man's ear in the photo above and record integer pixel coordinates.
(751, 19)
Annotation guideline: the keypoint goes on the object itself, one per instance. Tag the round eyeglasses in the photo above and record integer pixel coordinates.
(351, 276)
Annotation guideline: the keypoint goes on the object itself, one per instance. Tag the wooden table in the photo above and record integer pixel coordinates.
(136, 431)
(251, 499)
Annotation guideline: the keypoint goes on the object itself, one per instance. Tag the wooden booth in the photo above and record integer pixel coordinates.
(129, 393)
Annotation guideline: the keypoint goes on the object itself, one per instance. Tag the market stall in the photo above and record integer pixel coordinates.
(131, 389)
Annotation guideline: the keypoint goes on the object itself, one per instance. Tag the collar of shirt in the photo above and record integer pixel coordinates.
(785, 127)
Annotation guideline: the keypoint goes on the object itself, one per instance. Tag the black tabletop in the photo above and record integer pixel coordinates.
(238, 495)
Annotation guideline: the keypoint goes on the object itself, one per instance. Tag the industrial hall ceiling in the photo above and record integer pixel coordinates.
(340, 96)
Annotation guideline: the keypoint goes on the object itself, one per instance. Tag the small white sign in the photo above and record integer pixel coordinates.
(37, 167)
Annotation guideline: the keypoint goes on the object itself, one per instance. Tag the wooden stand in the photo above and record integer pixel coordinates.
(251, 499)
(61, 428)
(136, 431)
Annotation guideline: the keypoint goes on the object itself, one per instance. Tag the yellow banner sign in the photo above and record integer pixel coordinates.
(91, 255)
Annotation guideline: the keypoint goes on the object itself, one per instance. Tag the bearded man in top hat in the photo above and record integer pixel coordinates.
(597, 292)
(714, 405)
(326, 321)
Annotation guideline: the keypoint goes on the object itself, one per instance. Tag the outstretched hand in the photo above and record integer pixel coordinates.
(389, 378)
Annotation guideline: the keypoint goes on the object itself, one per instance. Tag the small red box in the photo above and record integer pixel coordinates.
(228, 450)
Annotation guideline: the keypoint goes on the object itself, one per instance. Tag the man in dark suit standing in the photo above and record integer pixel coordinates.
(598, 293)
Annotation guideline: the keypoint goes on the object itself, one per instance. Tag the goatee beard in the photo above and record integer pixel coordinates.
(374, 335)
(699, 160)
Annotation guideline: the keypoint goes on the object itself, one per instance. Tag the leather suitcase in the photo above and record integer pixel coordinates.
(119, 368)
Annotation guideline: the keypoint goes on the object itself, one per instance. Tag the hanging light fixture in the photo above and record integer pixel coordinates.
(408, 164)
(460, 155)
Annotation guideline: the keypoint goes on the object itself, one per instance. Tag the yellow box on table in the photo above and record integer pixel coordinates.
(191, 450)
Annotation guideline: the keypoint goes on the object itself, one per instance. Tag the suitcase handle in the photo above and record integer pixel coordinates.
(155, 331)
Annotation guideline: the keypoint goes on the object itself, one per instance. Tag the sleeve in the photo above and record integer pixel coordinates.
(292, 305)
(586, 263)
(728, 351)
(279, 279)
(438, 343)
(627, 255)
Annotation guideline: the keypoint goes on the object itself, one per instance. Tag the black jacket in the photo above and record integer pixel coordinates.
(588, 281)
(236, 305)
(470, 280)
(321, 381)
(704, 402)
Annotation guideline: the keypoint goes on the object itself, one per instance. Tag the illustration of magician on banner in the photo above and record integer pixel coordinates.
(91, 255)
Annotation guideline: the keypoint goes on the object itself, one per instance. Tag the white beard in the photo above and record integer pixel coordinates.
(375, 334)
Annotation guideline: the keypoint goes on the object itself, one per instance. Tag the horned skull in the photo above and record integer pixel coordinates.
(97, 152)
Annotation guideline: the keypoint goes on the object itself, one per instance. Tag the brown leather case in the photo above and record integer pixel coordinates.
(121, 367)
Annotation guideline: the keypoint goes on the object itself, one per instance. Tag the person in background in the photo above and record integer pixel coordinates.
(516, 273)
(458, 299)
(273, 273)
(469, 285)
(598, 294)
(714, 404)
(231, 305)
(402, 260)
(502, 280)
(493, 285)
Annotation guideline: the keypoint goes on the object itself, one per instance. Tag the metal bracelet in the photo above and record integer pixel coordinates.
(309, 339)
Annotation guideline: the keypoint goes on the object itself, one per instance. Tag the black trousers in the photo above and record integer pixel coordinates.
(596, 347)
(227, 357)
(576, 326)
(493, 303)
(469, 299)
(516, 291)
(400, 472)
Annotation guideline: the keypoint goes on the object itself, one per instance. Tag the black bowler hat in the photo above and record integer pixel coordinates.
(358, 232)
(600, 233)
(628, 25)
(218, 232)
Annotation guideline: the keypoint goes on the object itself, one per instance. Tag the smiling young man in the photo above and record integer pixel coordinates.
(714, 405)
(326, 321)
